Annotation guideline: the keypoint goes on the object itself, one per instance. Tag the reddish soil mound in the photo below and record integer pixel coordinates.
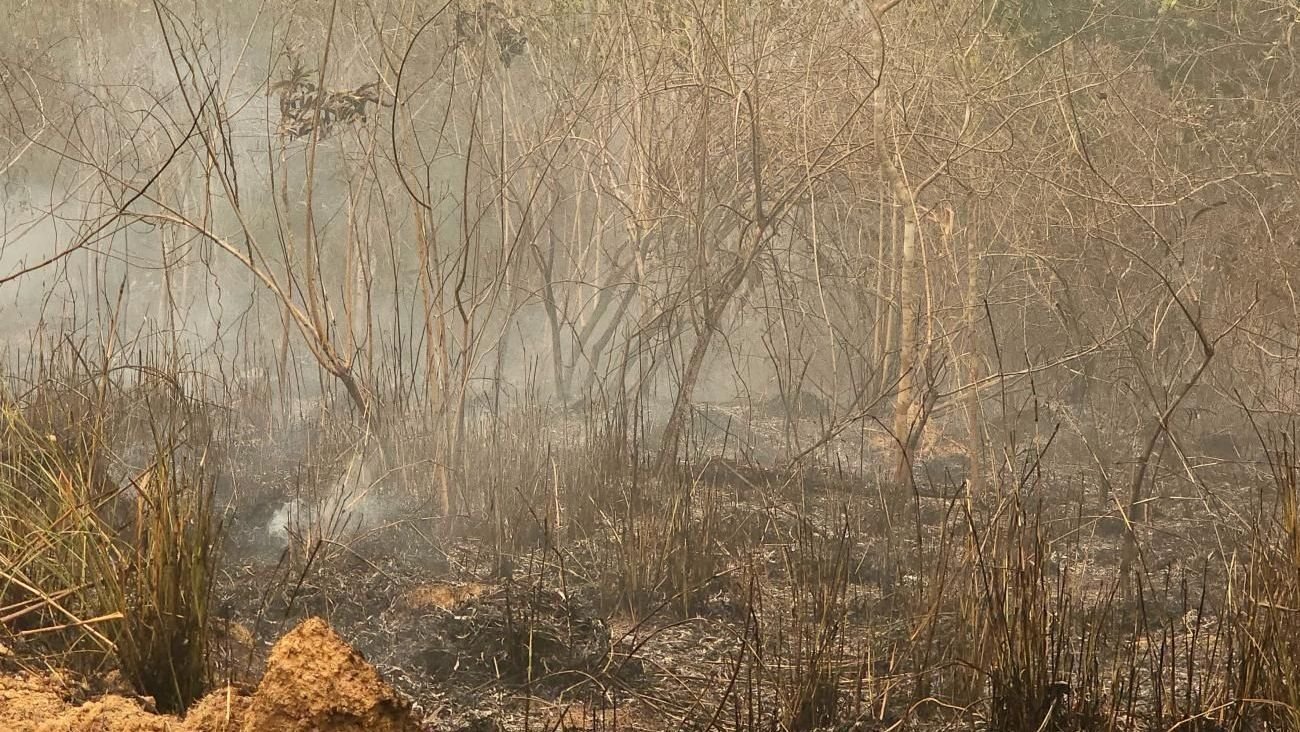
(26, 701)
(37, 704)
(314, 682)
(221, 711)
(109, 713)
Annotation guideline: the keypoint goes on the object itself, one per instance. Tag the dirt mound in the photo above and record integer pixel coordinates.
(38, 703)
(112, 714)
(221, 711)
(314, 682)
(25, 701)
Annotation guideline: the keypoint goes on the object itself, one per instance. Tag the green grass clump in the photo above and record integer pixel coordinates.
(97, 571)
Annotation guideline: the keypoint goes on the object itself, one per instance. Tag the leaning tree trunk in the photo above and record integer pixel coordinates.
(546, 268)
(681, 404)
(714, 310)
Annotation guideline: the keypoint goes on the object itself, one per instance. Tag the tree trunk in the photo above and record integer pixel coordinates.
(437, 362)
(546, 268)
(975, 476)
(908, 416)
(682, 403)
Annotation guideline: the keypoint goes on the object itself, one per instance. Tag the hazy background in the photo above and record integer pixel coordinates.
(569, 218)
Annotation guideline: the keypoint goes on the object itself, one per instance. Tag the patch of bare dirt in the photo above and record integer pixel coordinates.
(224, 710)
(40, 703)
(442, 595)
(26, 701)
(313, 681)
(110, 714)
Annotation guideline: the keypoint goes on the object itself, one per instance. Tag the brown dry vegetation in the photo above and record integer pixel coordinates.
(578, 365)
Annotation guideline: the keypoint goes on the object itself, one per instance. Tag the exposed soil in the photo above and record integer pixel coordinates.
(313, 681)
